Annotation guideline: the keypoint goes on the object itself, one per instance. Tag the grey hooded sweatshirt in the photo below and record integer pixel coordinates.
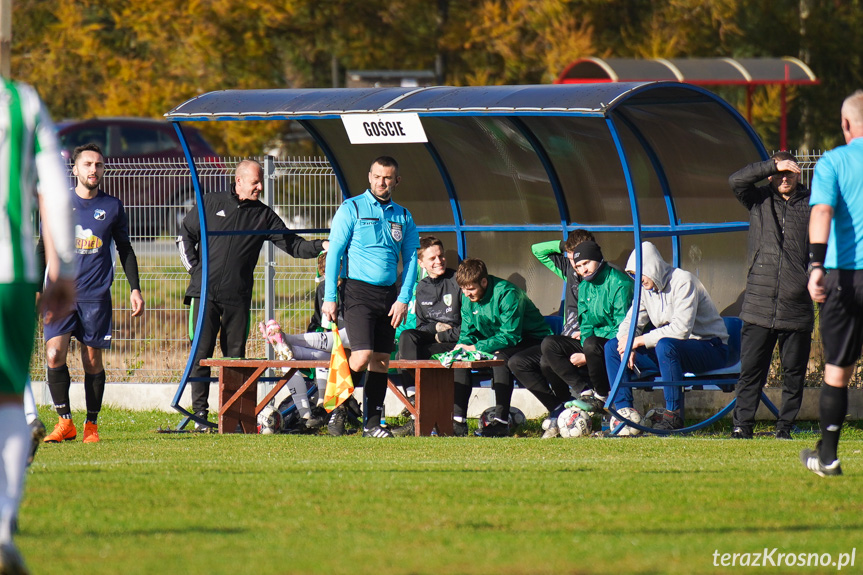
(679, 307)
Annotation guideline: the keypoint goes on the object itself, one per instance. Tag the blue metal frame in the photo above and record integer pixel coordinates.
(455, 206)
(615, 121)
(202, 303)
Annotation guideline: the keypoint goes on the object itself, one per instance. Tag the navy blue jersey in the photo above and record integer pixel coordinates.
(99, 224)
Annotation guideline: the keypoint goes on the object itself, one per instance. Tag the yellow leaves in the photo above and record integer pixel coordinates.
(522, 41)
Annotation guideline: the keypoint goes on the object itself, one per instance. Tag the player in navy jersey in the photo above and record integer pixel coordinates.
(100, 221)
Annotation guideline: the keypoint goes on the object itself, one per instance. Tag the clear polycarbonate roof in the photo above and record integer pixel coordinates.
(501, 167)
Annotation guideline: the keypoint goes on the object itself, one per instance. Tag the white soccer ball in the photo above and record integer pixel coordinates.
(574, 422)
(632, 415)
(269, 421)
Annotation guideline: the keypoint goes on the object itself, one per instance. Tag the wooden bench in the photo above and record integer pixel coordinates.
(238, 392)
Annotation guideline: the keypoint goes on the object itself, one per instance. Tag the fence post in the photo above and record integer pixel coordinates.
(269, 254)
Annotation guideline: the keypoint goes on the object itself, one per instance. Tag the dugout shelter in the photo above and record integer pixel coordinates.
(492, 170)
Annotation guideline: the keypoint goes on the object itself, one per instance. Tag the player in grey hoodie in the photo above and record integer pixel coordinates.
(689, 335)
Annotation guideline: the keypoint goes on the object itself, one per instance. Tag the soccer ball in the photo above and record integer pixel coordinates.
(516, 418)
(269, 421)
(574, 422)
(632, 415)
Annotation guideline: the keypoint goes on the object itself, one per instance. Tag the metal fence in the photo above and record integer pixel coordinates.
(157, 193)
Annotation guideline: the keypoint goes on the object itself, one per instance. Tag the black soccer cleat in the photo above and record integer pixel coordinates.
(37, 434)
(11, 562)
(378, 432)
(406, 430)
(336, 425)
(783, 434)
(812, 461)
(741, 433)
(496, 428)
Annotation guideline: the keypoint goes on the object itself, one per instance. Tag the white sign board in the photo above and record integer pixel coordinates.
(384, 128)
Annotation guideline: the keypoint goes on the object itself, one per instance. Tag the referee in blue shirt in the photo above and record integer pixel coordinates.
(836, 278)
(368, 234)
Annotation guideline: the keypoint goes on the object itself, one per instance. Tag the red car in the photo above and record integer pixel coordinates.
(146, 167)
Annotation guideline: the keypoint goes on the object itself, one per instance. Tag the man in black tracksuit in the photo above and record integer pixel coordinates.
(232, 261)
(438, 308)
(776, 304)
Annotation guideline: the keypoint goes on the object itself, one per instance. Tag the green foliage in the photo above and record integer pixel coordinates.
(142, 502)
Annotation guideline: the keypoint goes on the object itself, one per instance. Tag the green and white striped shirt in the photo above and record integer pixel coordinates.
(29, 153)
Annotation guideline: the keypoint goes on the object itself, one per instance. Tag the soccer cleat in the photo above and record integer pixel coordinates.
(406, 430)
(783, 434)
(670, 420)
(37, 434)
(595, 402)
(496, 428)
(378, 432)
(202, 427)
(741, 433)
(318, 419)
(63, 431)
(459, 428)
(11, 562)
(551, 432)
(91, 432)
(812, 461)
(336, 425)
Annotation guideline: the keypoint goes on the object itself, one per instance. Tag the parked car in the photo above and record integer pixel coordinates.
(146, 167)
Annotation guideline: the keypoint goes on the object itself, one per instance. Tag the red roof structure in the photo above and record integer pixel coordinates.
(747, 72)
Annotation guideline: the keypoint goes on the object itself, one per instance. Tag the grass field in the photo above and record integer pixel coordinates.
(145, 503)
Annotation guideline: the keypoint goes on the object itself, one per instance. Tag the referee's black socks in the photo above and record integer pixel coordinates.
(376, 391)
(833, 407)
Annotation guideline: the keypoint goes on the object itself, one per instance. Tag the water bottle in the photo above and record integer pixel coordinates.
(605, 424)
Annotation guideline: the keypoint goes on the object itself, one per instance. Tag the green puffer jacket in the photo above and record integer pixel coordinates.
(603, 302)
(501, 319)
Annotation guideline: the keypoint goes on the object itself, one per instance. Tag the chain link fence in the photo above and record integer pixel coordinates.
(157, 194)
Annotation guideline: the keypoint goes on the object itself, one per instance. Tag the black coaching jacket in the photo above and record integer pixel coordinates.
(439, 300)
(233, 257)
(778, 253)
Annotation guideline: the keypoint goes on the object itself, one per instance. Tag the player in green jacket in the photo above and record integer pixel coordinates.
(498, 318)
(604, 297)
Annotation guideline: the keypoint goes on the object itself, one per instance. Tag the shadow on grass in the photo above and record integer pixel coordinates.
(750, 529)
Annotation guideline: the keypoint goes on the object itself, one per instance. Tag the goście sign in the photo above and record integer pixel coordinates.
(384, 128)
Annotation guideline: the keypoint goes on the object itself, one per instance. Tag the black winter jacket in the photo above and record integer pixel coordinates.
(776, 294)
(233, 257)
(432, 296)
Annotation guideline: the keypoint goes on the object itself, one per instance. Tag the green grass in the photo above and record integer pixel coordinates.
(144, 502)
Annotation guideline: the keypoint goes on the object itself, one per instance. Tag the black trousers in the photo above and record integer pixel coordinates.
(557, 349)
(231, 324)
(416, 344)
(756, 353)
(501, 382)
(533, 372)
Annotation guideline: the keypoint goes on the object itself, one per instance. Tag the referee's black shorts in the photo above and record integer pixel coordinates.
(366, 316)
(842, 317)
